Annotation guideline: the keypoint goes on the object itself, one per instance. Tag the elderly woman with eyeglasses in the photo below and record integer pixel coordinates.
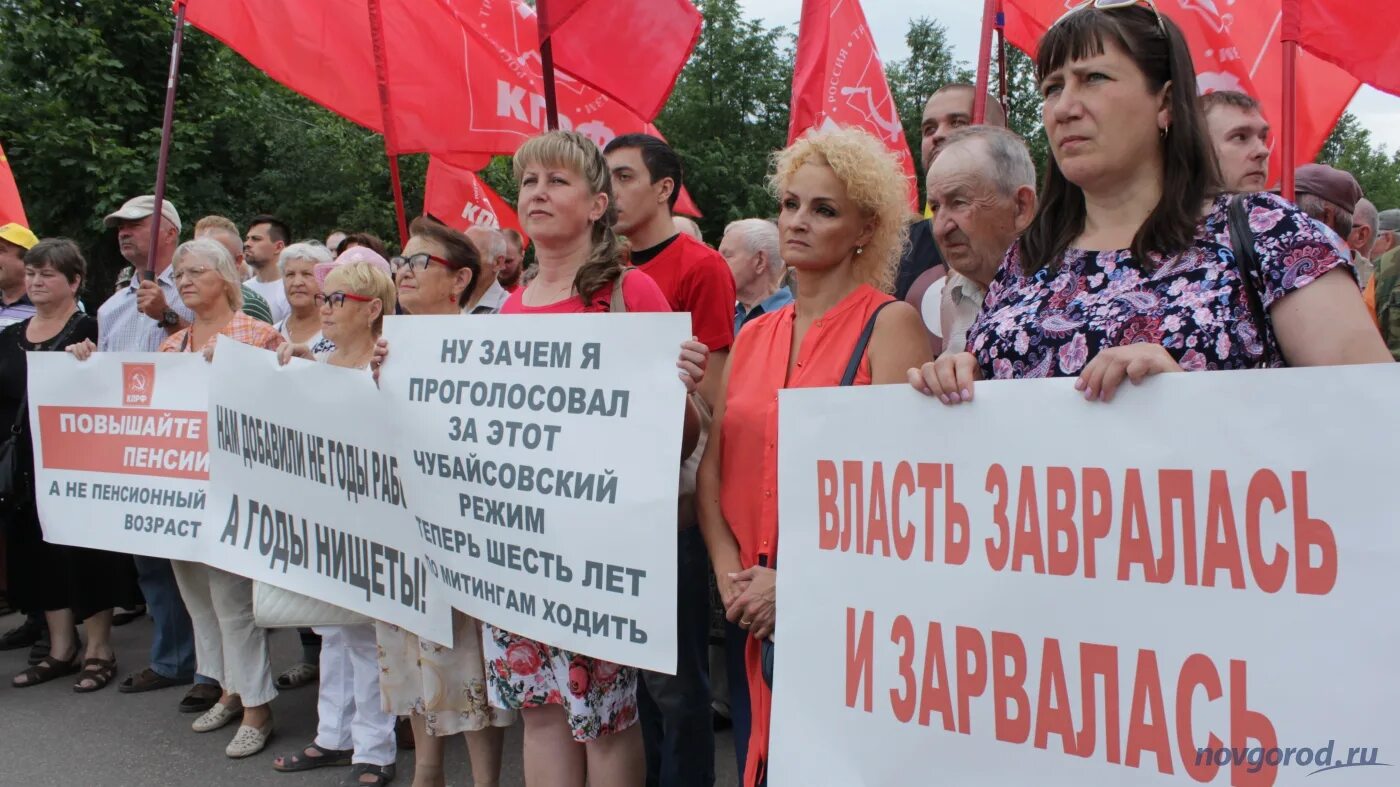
(1127, 269)
(352, 728)
(228, 647)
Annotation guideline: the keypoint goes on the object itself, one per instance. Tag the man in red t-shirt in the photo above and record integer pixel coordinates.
(675, 709)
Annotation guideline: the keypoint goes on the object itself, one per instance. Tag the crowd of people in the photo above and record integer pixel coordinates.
(1150, 246)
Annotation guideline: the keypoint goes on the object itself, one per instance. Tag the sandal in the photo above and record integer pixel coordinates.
(383, 774)
(301, 761)
(46, 670)
(99, 671)
(297, 675)
(149, 680)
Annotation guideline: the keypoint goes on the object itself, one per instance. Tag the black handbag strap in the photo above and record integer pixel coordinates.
(853, 365)
(1242, 245)
(17, 428)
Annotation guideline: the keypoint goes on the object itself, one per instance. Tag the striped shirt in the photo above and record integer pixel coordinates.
(123, 328)
(256, 306)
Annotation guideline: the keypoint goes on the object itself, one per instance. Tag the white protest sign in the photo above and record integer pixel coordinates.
(542, 462)
(305, 491)
(1195, 583)
(121, 458)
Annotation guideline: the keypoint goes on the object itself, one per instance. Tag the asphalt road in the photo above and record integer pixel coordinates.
(50, 735)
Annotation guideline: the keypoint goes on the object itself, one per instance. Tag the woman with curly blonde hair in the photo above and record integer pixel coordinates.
(842, 223)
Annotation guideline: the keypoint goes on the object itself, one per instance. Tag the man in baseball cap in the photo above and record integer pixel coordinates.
(15, 240)
(1329, 196)
(141, 207)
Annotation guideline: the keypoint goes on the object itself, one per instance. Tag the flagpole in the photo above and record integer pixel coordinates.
(391, 145)
(551, 103)
(1001, 57)
(984, 61)
(1289, 37)
(167, 126)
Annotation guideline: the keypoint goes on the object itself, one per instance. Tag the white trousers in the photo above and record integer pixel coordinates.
(349, 711)
(227, 646)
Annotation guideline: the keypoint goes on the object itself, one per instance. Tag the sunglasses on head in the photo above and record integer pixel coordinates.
(1109, 5)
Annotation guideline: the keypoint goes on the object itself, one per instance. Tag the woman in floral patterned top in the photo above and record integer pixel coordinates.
(1127, 270)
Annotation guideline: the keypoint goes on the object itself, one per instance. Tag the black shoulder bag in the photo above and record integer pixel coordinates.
(16, 468)
(847, 379)
(1242, 245)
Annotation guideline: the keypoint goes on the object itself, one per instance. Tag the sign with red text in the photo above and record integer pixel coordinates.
(305, 494)
(121, 450)
(541, 459)
(1192, 584)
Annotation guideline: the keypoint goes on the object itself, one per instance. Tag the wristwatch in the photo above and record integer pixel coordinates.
(170, 319)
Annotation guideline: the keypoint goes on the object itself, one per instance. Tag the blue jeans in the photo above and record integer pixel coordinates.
(735, 640)
(676, 718)
(172, 643)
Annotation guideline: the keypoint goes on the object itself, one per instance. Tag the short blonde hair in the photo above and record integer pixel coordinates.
(214, 253)
(365, 280)
(873, 181)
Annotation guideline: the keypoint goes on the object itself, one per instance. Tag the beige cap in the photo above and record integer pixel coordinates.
(141, 207)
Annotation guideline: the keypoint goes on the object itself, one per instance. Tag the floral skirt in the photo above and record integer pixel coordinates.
(600, 697)
(446, 686)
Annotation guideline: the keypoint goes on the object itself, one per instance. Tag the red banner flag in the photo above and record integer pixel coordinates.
(1235, 46)
(632, 50)
(11, 208)
(462, 77)
(839, 81)
(1349, 36)
(459, 199)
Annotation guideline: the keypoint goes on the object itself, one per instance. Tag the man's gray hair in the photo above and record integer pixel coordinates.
(760, 235)
(1011, 162)
(1316, 207)
(214, 253)
(495, 241)
(311, 250)
(1365, 213)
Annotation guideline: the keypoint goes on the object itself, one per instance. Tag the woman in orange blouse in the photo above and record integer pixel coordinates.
(843, 221)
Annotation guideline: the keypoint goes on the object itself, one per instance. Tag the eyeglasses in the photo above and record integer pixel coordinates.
(191, 272)
(418, 263)
(1109, 5)
(337, 299)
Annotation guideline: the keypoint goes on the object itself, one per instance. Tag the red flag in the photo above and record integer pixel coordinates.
(839, 81)
(11, 208)
(1351, 36)
(459, 199)
(463, 77)
(1234, 47)
(632, 50)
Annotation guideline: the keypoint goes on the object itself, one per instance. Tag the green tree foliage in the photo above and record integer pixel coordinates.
(729, 112)
(930, 65)
(1349, 147)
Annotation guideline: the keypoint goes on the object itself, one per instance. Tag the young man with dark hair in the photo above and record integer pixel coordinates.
(675, 709)
(1240, 136)
(267, 236)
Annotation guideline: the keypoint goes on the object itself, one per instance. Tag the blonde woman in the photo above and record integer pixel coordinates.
(353, 294)
(842, 223)
(228, 647)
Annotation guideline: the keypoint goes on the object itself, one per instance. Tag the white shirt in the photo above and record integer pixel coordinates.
(961, 303)
(275, 294)
(318, 343)
(491, 300)
(121, 327)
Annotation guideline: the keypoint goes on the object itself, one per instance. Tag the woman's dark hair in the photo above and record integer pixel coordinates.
(1189, 167)
(458, 249)
(61, 254)
(365, 239)
(577, 153)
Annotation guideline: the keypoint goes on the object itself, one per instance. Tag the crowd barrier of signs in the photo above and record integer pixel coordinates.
(1193, 583)
(524, 470)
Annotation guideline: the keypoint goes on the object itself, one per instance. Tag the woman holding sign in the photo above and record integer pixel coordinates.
(842, 222)
(68, 584)
(442, 690)
(228, 647)
(298, 263)
(1136, 264)
(353, 294)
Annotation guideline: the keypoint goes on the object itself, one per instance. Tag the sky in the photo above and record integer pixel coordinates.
(889, 19)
